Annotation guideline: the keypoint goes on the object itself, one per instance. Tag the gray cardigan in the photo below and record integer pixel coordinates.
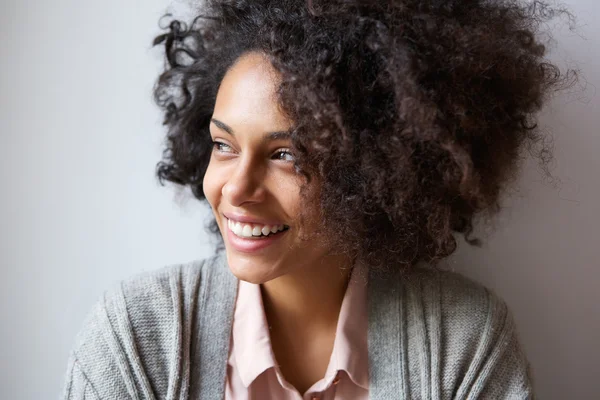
(165, 335)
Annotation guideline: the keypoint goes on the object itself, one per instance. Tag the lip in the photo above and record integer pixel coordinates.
(250, 245)
(248, 219)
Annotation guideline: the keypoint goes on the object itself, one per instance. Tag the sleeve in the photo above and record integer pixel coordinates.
(76, 385)
(130, 345)
(481, 353)
(99, 366)
(503, 371)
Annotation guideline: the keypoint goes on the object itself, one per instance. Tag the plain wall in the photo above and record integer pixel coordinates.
(80, 207)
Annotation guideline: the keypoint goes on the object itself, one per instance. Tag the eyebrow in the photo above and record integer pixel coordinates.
(277, 135)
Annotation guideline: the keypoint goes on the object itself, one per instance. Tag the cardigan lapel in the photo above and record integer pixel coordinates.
(386, 341)
(214, 315)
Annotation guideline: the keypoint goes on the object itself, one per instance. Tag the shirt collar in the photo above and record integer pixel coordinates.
(252, 344)
(350, 348)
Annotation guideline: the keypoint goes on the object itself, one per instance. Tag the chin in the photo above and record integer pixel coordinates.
(250, 269)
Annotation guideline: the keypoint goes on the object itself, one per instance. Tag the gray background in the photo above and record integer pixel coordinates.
(80, 208)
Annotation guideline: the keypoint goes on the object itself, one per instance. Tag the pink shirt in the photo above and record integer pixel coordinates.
(253, 373)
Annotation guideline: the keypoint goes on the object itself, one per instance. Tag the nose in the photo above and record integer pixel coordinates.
(244, 185)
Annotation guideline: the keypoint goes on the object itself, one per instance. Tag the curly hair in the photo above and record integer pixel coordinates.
(412, 113)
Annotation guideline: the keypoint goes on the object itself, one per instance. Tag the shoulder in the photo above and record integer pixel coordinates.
(129, 337)
(141, 297)
(470, 332)
(438, 334)
(465, 314)
(460, 301)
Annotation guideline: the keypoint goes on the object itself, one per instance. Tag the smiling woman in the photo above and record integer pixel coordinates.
(341, 146)
(251, 183)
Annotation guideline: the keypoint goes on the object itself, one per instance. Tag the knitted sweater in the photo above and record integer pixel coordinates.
(165, 334)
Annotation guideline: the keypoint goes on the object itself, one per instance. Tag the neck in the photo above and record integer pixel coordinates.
(308, 299)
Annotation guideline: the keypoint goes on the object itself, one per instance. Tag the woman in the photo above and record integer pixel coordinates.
(341, 145)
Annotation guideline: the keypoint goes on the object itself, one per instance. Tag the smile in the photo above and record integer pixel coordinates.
(253, 237)
(249, 231)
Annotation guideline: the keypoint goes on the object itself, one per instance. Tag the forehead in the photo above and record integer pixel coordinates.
(247, 95)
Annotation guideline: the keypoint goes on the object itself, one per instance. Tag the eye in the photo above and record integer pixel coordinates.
(284, 155)
(222, 147)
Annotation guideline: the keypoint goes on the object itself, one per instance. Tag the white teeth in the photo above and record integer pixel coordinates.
(249, 230)
(237, 229)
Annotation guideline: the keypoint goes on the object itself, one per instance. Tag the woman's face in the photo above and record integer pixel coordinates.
(251, 183)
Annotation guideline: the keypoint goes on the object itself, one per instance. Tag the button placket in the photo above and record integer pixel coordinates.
(335, 382)
(337, 379)
(321, 395)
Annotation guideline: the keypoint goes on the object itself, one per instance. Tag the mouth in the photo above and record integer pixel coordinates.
(255, 231)
(253, 237)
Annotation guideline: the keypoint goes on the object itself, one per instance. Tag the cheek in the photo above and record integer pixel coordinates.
(304, 208)
(285, 189)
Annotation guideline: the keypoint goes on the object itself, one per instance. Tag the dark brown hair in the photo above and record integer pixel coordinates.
(414, 114)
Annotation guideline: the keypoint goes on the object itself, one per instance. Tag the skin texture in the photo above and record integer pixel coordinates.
(251, 174)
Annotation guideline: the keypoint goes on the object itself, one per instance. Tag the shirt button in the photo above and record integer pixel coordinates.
(336, 380)
(314, 397)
